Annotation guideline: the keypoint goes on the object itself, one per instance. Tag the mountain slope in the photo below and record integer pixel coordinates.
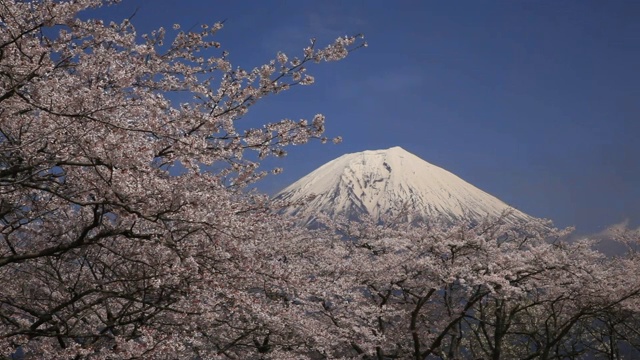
(382, 181)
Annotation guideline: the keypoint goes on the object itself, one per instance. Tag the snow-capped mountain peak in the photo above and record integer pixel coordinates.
(380, 182)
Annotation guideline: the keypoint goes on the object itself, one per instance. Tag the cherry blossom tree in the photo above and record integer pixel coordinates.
(127, 230)
(479, 291)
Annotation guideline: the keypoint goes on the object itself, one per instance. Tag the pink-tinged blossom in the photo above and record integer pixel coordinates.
(104, 253)
(487, 290)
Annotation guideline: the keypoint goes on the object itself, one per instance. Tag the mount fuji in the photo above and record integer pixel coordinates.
(383, 182)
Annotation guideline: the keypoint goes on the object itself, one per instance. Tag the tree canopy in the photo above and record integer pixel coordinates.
(108, 251)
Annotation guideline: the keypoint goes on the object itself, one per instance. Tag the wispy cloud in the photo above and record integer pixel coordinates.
(615, 230)
(323, 23)
(331, 26)
(611, 240)
(388, 84)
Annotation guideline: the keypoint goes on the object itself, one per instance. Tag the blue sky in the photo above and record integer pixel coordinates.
(535, 102)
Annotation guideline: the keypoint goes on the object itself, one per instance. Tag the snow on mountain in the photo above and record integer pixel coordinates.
(382, 181)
